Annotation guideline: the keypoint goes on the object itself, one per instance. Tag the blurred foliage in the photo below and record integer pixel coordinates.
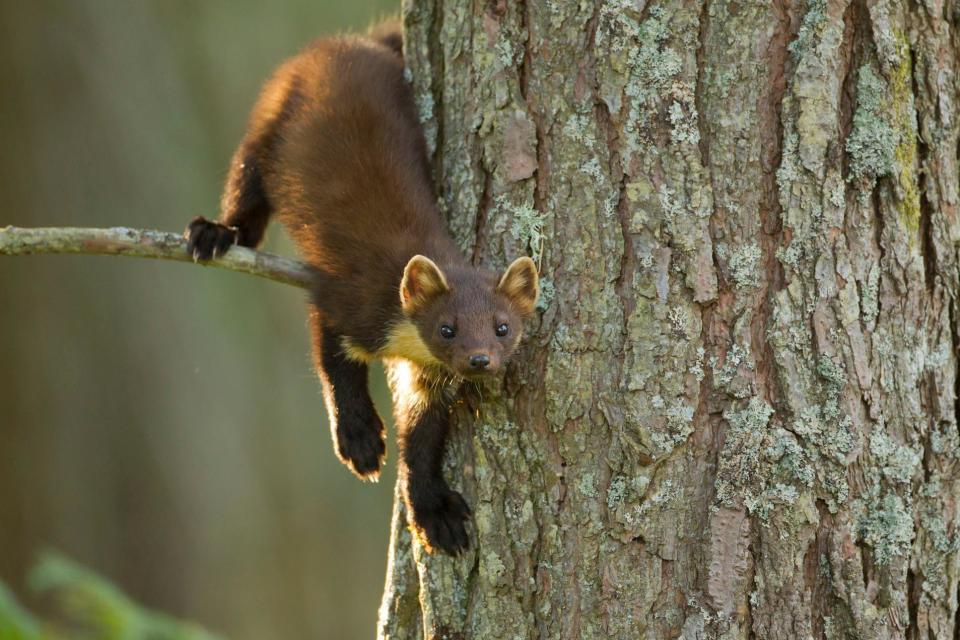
(159, 422)
(16, 623)
(88, 607)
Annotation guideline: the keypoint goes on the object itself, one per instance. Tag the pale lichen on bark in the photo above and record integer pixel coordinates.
(737, 413)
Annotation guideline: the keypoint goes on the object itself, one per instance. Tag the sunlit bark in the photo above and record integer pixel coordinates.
(736, 415)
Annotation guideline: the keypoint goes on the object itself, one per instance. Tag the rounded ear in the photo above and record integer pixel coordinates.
(520, 283)
(422, 281)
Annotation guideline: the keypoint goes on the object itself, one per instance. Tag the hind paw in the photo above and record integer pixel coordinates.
(207, 239)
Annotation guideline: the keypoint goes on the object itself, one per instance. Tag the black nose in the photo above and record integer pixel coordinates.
(479, 361)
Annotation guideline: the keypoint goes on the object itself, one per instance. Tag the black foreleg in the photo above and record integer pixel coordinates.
(358, 432)
(436, 513)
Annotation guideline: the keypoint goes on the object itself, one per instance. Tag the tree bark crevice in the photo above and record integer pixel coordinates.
(726, 420)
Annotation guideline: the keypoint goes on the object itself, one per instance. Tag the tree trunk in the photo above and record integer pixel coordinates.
(736, 415)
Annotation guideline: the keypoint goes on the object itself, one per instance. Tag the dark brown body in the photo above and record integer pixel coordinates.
(334, 148)
(341, 159)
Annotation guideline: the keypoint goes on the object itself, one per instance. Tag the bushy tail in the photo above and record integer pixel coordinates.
(389, 33)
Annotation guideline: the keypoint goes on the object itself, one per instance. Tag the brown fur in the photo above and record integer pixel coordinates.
(335, 149)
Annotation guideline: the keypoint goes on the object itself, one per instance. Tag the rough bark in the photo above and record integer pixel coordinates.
(736, 415)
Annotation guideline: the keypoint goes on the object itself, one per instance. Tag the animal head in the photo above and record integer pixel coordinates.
(471, 320)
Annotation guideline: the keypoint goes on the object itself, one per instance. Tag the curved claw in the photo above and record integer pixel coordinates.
(442, 524)
(207, 240)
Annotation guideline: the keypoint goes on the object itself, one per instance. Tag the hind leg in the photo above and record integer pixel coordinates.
(358, 432)
(245, 210)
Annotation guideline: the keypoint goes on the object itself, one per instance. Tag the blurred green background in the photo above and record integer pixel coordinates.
(159, 422)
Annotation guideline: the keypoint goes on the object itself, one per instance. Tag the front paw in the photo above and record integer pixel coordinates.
(207, 239)
(360, 446)
(439, 522)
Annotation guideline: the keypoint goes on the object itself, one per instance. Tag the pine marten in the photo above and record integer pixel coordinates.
(334, 147)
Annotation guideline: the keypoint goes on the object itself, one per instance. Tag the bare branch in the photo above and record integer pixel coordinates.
(121, 241)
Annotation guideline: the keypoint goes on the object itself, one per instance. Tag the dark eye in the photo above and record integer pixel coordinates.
(502, 329)
(447, 331)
